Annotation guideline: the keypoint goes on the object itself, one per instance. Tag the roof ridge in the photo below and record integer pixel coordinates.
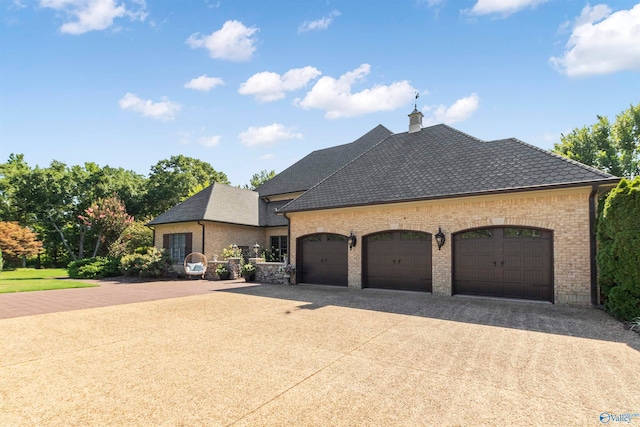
(458, 131)
(558, 156)
(341, 168)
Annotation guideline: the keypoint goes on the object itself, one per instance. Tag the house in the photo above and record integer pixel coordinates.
(429, 210)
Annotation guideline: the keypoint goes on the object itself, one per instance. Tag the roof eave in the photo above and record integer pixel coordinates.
(612, 182)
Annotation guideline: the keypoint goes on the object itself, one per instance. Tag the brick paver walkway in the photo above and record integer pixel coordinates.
(108, 293)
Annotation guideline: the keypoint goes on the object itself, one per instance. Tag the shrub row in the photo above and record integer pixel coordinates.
(619, 250)
(145, 262)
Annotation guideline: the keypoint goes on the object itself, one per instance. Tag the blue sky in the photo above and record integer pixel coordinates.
(253, 85)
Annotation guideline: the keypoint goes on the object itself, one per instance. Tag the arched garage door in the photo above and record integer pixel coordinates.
(323, 258)
(505, 262)
(398, 260)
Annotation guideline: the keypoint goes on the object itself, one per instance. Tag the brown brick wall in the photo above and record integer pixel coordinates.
(564, 211)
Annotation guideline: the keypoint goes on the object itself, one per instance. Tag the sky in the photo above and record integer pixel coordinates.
(256, 85)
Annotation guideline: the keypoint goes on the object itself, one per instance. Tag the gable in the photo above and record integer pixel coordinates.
(316, 166)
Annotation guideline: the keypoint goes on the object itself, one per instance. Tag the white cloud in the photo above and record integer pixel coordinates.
(209, 141)
(233, 41)
(204, 83)
(461, 110)
(319, 24)
(267, 135)
(163, 110)
(90, 15)
(334, 95)
(501, 7)
(602, 42)
(267, 86)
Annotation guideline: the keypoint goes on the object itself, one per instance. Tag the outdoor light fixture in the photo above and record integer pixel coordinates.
(440, 238)
(256, 247)
(352, 240)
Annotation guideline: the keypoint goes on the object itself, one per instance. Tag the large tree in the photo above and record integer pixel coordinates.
(612, 148)
(260, 178)
(174, 179)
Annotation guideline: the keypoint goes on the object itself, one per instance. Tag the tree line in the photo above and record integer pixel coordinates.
(77, 209)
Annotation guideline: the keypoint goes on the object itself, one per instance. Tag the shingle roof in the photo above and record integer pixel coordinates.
(268, 215)
(439, 162)
(218, 202)
(316, 166)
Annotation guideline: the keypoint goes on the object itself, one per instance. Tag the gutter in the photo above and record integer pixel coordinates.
(592, 244)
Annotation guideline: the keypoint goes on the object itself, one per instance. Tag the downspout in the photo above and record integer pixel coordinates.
(592, 243)
(203, 246)
(289, 243)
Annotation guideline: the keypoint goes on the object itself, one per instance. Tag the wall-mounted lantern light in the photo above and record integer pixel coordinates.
(256, 248)
(440, 239)
(352, 239)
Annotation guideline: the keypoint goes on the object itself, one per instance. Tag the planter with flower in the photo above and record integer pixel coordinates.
(223, 272)
(249, 272)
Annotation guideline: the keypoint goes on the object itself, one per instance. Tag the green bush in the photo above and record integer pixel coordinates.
(146, 262)
(134, 236)
(619, 250)
(94, 268)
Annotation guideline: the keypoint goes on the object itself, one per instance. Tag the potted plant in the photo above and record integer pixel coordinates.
(249, 272)
(223, 272)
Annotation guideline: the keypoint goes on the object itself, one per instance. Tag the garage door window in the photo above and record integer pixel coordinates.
(521, 232)
(476, 234)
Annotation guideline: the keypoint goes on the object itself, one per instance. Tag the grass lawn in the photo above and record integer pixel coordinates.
(29, 279)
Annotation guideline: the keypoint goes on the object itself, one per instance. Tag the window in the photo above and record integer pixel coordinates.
(178, 245)
(521, 232)
(279, 247)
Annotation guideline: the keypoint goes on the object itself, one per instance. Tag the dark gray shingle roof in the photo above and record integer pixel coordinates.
(218, 202)
(316, 166)
(439, 162)
(268, 215)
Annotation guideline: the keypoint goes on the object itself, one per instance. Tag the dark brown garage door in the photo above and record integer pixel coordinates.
(505, 262)
(398, 260)
(323, 259)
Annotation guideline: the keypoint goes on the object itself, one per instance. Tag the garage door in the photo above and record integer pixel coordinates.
(398, 260)
(505, 262)
(324, 259)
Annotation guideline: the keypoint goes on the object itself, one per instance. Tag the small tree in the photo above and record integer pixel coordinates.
(135, 236)
(17, 242)
(619, 250)
(107, 218)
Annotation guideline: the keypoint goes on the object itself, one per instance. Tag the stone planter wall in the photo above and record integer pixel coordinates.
(233, 265)
(269, 272)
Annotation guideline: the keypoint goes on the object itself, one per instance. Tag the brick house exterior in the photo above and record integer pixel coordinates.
(517, 220)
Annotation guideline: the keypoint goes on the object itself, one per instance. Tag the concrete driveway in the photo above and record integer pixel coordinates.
(312, 355)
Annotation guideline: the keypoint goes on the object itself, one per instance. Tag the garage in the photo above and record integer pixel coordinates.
(323, 259)
(398, 260)
(505, 262)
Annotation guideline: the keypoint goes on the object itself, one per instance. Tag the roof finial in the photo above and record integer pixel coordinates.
(415, 104)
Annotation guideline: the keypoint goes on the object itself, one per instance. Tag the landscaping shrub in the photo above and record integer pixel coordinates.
(619, 250)
(146, 262)
(134, 236)
(94, 268)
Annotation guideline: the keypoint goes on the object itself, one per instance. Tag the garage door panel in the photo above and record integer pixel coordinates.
(397, 260)
(505, 262)
(324, 259)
